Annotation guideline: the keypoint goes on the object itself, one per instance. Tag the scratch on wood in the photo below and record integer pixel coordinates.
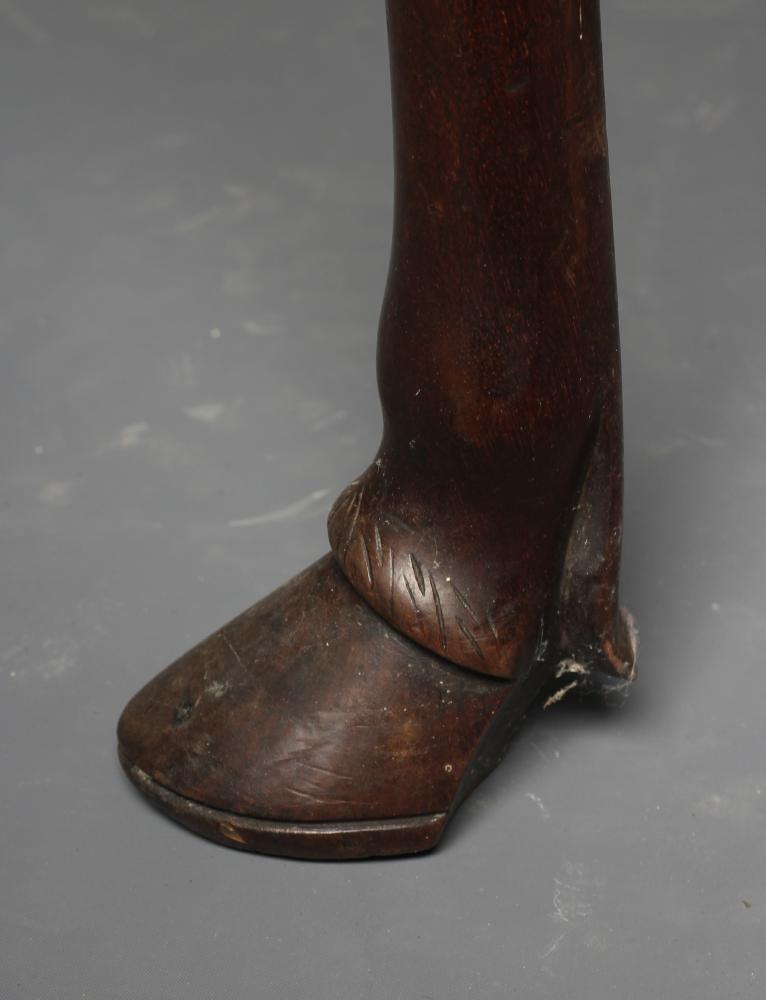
(464, 601)
(231, 833)
(321, 799)
(233, 649)
(412, 596)
(304, 795)
(471, 639)
(354, 519)
(391, 588)
(554, 698)
(493, 627)
(367, 560)
(378, 546)
(327, 770)
(399, 523)
(416, 569)
(439, 612)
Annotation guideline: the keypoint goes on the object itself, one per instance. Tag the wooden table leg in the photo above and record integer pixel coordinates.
(475, 562)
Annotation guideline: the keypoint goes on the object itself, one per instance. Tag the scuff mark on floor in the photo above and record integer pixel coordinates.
(131, 435)
(285, 513)
(56, 494)
(206, 413)
(539, 803)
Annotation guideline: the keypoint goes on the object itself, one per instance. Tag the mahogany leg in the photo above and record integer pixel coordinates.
(476, 560)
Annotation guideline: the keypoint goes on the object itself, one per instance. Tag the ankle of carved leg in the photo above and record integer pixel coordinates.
(474, 581)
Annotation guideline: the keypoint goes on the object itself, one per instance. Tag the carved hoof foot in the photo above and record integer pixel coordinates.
(309, 727)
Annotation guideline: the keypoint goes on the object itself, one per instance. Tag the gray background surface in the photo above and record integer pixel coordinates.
(195, 205)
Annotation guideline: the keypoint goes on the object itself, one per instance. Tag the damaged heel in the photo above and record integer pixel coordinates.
(598, 639)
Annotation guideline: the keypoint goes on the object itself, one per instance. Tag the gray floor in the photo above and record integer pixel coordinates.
(195, 210)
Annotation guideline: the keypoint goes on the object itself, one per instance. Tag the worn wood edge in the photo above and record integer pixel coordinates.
(310, 841)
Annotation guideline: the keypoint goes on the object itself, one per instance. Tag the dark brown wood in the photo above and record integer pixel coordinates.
(498, 353)
(310, 709)
(476, 560)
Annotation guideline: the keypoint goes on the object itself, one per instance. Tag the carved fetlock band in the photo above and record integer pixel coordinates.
(494, 590)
